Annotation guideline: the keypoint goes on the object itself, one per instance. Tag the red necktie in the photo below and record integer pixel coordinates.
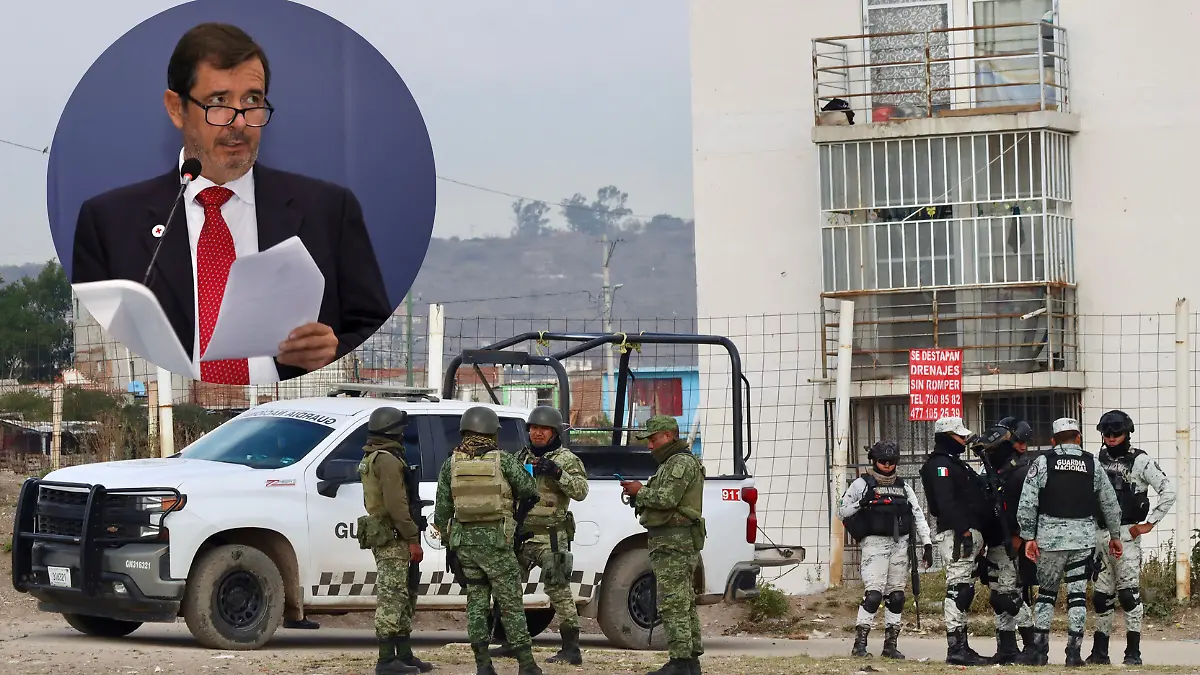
(214, 256)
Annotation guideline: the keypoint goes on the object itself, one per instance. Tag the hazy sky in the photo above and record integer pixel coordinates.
(542, 98)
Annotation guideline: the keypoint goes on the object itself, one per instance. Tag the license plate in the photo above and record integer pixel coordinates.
(60, 576)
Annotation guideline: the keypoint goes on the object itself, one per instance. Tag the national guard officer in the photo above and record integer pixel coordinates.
(1057, 517)
(881, 511)
(390, 531)
(477, 487)
(1132, 472)
(671, 508)
(1004, 454)
(550, 526)
(957, 499)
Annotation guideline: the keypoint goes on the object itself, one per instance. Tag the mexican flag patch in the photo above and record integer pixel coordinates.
(943, 471)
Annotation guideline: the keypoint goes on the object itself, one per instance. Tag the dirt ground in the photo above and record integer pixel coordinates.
(24, 647)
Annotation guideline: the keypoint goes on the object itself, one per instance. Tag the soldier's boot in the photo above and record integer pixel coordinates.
(860, 641)
(675, 667)
(483, 660)
(1037, 649)
(528, 665)
(1133, 648)
(1074, 645)
(404, 654)
(967, 648)
(890, 635)
(1099, 655)
(1006, 647)
(388, 663)
(694, 665)
(1026, 636)
(957, 651)
(504, 651)
(569, 653)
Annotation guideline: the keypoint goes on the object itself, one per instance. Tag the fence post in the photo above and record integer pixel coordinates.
(1183, 443)
(56, 414)
(434, 343)
(837, 536)
(166, 429)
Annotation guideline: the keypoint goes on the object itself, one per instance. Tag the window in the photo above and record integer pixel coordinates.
(351, 448)
(545, 396)
(511, 438)
(663, 396)
(1038, 408)
(259, 442)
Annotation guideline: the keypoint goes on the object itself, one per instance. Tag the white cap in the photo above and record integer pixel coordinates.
(1065, 424)
(953, 425)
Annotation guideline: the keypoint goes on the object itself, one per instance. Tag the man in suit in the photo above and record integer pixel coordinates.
(218, 79)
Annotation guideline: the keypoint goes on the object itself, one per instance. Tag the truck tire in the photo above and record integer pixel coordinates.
(626, 612)
(100, 626)
(234, 598)
(538, 620)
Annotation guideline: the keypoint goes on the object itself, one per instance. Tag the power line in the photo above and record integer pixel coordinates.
(516, 297)
(447, 179)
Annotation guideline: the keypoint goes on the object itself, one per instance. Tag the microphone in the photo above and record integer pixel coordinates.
(188, 172)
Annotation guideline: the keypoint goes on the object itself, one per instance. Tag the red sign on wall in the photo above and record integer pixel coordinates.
(934, 384)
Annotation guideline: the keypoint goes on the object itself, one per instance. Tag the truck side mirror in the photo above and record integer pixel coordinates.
(336, 473)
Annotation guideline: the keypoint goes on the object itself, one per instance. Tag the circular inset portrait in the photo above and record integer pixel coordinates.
(241, 192)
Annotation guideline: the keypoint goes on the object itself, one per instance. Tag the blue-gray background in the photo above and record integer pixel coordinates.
(342, 113)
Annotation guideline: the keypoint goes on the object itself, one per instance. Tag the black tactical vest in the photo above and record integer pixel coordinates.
(884, 520)
(1070, 486)
(1135, 506)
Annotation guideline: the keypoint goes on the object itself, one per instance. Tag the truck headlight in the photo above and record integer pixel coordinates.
(158, 507)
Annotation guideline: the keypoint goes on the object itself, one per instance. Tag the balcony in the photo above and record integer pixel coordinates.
(887, 77)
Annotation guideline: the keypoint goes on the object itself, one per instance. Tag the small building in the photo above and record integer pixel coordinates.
(662, 390)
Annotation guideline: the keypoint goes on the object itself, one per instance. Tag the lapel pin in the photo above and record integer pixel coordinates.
(157, 231)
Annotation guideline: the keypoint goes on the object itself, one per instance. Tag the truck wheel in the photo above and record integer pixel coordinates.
(627, 611)
(100, 626)
(538, 620)
(234, 598)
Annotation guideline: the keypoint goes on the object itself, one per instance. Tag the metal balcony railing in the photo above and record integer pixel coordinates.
(944, 72)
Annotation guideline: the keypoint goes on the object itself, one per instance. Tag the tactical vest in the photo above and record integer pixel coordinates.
(480, 492)
(551, 510)
(690, 509)
(1070, 486)
(372, 492)
(1135, 506)
(883, 520)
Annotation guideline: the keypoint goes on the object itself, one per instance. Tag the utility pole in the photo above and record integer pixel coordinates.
(607, 298)
(408, 335)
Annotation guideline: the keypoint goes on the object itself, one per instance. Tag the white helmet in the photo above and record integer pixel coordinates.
(1065, 424)
(953, 425)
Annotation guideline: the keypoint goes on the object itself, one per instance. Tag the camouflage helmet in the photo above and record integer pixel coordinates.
(545, 416)
(387, 421)
(481, 420)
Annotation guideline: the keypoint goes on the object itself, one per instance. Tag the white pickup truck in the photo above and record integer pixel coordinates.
(254, 523)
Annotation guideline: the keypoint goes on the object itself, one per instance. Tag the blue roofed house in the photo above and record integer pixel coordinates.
(663, 390)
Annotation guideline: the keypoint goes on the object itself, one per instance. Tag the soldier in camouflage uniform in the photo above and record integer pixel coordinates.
(550, 526)
(1057, 518)
(473, 511)
(390, 531)
(1132, 473)
(881, 512)
(670, 506)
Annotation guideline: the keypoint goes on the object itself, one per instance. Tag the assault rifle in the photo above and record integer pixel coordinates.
(916, 573)
(412, 484)
(983, 447)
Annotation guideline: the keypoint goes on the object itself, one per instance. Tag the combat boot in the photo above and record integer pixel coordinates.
(971, 652)
(1074, 644)
(404, 655)
(674, 667)
(1026, 636)
(1037, 649)
(860, 641)
(1006, 647)
(694, 665)
(528, 665)
(890, 635)
(388, 663)
(483, 660)
(957, 652)
(1099, 655)
(1133, 648)
(569, 653)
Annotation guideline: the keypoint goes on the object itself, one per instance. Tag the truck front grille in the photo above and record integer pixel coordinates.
(61, 512)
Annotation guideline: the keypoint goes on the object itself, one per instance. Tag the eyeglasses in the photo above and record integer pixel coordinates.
(885, 461)
(1113, 434)
(223, 115)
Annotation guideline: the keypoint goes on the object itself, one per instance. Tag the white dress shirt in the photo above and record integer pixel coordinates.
(240, 216)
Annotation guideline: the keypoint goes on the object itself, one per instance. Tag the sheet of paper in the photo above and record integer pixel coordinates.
(130, 313)
(268, 294)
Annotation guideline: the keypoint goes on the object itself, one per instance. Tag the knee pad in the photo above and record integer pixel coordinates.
(1047, 596)
(1129, 598)
(895, 602)
(1005, 603)
(1102, 602)
(871, 601)
(965, 595)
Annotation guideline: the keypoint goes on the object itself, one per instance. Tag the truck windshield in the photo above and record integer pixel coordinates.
(259, 442)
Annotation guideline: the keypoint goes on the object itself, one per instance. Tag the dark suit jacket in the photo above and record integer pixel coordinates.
(113, 241)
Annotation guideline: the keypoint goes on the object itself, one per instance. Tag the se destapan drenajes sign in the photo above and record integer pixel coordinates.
(934, 384)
